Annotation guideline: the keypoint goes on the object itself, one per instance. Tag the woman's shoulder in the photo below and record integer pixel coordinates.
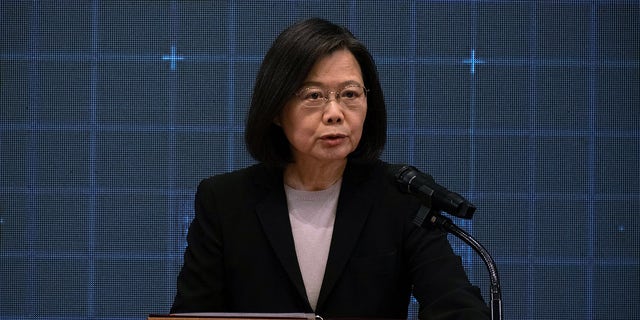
(241, 178)
(374, 169)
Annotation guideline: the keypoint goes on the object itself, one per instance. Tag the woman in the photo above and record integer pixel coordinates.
(318, 225)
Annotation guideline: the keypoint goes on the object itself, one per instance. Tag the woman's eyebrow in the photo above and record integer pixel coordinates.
(321, 85)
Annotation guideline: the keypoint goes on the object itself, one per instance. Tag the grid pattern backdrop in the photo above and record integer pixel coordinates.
(112, 111)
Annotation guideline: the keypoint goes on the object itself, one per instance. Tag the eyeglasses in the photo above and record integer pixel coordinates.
(350, 96)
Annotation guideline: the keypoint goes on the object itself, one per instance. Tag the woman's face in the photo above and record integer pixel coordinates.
(330, 130)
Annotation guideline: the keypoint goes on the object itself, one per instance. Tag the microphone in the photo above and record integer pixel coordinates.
(411, 180)
(438, 198)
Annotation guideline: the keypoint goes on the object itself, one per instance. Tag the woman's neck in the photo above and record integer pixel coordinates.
(313, 177)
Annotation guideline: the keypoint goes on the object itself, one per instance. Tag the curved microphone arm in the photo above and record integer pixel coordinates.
(446, 224)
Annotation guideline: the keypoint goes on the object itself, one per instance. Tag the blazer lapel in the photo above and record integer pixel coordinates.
(274, 216)
(354, 206)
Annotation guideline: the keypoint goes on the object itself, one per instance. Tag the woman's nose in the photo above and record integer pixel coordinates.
(332, 112)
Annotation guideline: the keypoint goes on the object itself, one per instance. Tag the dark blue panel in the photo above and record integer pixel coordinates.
(111, 112)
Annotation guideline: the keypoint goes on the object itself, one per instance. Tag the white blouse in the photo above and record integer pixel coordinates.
(312, 214)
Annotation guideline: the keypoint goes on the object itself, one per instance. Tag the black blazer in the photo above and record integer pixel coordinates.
(241, 257)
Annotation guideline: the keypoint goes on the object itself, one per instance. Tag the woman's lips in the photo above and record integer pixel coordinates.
(333, 136)
(333, 139)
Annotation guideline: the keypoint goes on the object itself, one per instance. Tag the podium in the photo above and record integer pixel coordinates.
(233, 316)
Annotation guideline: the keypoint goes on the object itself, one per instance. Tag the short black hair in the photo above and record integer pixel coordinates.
(282, 72)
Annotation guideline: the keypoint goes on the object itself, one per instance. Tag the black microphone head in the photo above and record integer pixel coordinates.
(395, 170)
(411, 180)
(402, 174)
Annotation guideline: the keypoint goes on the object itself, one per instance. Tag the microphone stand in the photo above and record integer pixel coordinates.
(436, 219)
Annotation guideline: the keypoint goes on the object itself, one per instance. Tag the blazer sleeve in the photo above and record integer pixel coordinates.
(440, 282)
(201, 284)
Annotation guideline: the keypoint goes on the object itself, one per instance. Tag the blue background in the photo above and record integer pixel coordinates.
(112, 111)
